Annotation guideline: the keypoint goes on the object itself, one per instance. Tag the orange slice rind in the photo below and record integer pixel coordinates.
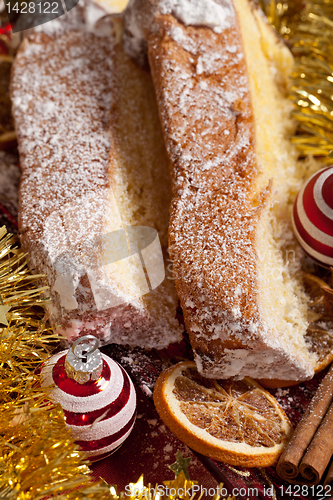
(236, 422)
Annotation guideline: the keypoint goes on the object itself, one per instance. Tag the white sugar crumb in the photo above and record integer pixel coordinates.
(281, 392)
(285, 399)
(152, 421)
(129, 360)
(146, 390)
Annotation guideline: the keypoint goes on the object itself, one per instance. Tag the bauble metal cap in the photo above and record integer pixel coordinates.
(84, 362)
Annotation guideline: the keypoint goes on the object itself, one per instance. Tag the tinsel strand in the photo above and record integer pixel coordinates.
(312, 89)
(308, 30)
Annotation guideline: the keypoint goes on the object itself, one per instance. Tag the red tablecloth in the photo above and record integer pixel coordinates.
(149, 450)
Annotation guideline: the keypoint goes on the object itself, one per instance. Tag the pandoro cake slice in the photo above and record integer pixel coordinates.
(95, 188)
(220, 75)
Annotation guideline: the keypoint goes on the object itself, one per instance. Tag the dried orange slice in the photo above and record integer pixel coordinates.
(237, 422)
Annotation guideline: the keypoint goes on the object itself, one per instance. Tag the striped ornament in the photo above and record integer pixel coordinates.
(100, 414)
(312, 217)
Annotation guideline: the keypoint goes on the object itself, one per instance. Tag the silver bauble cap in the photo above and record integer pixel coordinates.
(84, 362)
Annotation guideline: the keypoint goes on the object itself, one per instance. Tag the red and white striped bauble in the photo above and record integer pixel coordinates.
(312, 218)
(108, 403)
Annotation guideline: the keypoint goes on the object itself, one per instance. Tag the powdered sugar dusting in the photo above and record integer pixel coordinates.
(200, 13)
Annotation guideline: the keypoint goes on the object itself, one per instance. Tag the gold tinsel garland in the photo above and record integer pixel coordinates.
(308, 29)
(38, 456)
(312, 89)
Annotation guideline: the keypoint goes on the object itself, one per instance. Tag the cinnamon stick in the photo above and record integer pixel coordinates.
(320, 451)
(328, 481)
(289, 462)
